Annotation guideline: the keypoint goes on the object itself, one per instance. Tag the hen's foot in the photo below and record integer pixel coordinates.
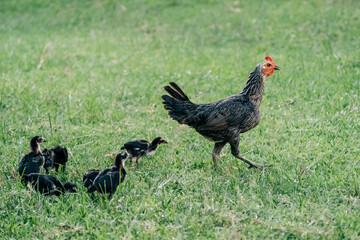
(255, 165)
(251, 163)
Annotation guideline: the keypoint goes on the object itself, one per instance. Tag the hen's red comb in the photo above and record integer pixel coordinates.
(269, 59)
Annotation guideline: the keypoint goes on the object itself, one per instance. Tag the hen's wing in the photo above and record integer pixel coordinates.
(222, 115)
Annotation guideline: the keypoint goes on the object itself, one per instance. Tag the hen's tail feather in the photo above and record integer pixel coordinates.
(178, 104)
(178, 89)
(173, 93)
(175, 107)
(176, 92)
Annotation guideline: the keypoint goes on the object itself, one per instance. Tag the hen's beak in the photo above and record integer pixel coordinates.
(276, 67)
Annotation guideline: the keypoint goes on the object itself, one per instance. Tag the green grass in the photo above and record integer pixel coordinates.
(89, 75)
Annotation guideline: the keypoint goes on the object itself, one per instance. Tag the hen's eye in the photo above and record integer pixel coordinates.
(268, 64)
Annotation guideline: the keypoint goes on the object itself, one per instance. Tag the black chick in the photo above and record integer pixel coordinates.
(90, 176)
(55, 157)
(47, 184)
(34, 160)
(70, 187)
(49, 157)
(140, 148)
(107, 181)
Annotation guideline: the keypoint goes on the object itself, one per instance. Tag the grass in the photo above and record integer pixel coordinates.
(89, 75)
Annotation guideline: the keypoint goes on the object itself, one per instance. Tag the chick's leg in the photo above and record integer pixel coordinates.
(216, 152)
(236, 152)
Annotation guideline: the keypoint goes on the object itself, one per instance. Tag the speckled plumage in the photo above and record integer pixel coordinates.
(222, 121)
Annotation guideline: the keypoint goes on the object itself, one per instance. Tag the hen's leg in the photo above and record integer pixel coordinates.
(236, 152)
(216, 152)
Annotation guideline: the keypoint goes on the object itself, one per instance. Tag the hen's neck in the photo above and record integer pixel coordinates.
(254, 88)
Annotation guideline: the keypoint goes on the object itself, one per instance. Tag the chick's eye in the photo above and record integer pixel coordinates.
(269, 65)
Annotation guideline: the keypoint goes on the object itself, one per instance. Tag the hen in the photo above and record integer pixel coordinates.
(223, 121)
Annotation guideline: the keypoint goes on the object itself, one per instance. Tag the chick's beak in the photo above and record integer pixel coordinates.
(276, 67)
